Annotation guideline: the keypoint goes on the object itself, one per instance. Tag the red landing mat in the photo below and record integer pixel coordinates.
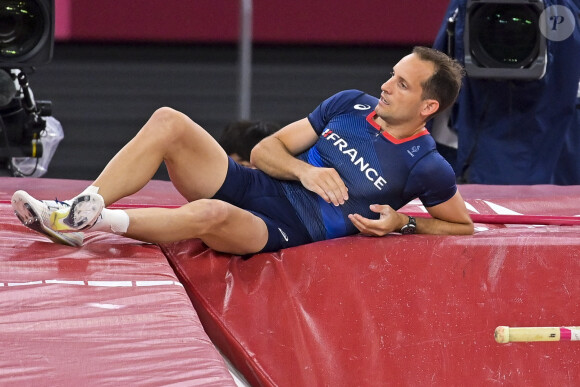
(110, 313)
(400, 310)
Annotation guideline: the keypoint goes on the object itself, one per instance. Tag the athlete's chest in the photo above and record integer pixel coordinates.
(365, 159)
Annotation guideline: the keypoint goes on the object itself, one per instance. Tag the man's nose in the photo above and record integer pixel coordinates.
(386, 87)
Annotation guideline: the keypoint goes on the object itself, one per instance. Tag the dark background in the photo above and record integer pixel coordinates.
(103, 93)
(116, 61)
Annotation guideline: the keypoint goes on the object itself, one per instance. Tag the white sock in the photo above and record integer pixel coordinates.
(90, 189)
(115, 221)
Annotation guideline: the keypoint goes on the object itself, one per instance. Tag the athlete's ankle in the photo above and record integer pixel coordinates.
(113, 221)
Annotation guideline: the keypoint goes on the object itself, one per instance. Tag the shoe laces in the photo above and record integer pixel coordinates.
(61, 203)
(55, 204)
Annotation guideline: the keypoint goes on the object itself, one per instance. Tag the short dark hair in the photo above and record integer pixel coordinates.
(240, 137)
(445, 83)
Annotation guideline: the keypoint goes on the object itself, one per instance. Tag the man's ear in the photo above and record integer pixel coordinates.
(430, 106)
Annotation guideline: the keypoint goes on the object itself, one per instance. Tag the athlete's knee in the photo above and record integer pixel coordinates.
(165, 115)
(171, 125)
(208, 214)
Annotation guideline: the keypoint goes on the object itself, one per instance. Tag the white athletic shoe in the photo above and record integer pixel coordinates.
(35, 215)
(83, 212)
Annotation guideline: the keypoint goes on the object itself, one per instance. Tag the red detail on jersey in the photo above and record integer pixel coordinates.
(391, 138)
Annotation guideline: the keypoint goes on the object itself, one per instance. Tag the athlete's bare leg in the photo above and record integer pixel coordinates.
(196, 163)
(197, 166)
(220, 225)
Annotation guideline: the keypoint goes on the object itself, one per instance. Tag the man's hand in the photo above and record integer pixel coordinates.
(389, 221)
(275, 155)
(448, 218)
(325, 182)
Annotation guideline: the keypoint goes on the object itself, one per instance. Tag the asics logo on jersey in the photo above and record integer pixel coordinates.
(359, 106)
(351, 153)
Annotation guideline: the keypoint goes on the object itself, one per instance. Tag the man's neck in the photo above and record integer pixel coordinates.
(402, 131)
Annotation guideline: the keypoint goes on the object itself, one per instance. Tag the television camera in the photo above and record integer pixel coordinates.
(26, 40)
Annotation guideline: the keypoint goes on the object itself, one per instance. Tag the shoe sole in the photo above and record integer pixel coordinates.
(29, 218)
(73, 219)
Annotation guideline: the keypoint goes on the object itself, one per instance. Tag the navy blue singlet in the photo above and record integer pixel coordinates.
(376, 167)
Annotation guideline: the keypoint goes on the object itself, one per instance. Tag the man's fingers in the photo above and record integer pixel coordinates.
(334, 191)
(362, 224)
(357, 223)
(325, 195)
(338, 191)
(328, 196)
(326, 182)
(340, 188)
(367, 226)
(334, 199)
(336, 195)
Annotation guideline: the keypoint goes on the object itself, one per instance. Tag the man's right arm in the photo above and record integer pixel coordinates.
(275, 156)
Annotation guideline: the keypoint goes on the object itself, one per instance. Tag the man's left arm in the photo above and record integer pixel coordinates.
(448, 218)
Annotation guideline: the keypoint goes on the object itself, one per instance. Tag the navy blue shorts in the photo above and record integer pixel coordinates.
(263, 196)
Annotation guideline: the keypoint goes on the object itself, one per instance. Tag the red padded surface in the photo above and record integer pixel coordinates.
(110, 313)
(413, 310)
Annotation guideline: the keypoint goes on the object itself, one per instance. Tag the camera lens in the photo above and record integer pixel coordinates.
(22, 27)
(504, 35)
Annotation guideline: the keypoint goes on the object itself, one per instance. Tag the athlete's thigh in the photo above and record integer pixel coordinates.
(196, 163)
(264, 197)
(220, 225)
(240, 232)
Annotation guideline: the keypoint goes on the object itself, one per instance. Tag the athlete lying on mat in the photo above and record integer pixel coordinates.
(344, 169)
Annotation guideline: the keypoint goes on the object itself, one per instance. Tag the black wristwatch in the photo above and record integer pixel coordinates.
(409, 228)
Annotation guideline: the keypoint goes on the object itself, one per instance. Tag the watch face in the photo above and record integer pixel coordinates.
(409, 228)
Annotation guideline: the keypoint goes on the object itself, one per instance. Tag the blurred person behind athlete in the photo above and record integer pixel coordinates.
(239, 138)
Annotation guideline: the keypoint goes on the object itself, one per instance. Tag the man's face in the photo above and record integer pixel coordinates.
(401, 100)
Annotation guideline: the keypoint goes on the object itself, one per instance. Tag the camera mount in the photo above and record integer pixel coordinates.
(21, 123)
